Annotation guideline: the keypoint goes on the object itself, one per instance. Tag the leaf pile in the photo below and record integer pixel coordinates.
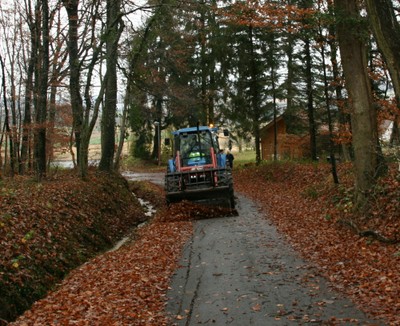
(190, 211)
(49, 228)
(176, 212)
(306, 206)
(123, 287)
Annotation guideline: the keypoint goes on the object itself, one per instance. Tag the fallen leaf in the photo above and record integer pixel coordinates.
(257, 307)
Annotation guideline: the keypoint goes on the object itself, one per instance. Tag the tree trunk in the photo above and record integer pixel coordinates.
(290, 73)
(157, 134)
(255, 97)
(122, 130)
(41, 108)
(110, 106)
(211, 97)
(27, 122)
(71, 7)
(344, 119)
(1, 148)
(353, 51)
(204, 120)
(386, 30)
(87, 128)
(275, 113)
(310, 102)
(395, 134)
(7, 118)
(51, 125)
(329, 114)
(14, 156)
(25, 161)
(257, 142)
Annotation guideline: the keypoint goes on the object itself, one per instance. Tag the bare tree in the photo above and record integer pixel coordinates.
(42, 71)
(85, 51)
(386, 30)
(7, 115)
(12, 46)
(32, 21)
(57, 74)
(71, 7)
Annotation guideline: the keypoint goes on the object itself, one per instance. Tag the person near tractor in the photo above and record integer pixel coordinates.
(230, 158)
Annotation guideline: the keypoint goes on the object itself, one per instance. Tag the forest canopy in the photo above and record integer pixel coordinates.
(68, 67)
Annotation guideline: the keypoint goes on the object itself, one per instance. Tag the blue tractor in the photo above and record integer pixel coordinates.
(198, 170)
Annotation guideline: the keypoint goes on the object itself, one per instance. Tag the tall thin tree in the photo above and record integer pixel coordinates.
(71, 7)
(7, 116)
(32, 21)
(41, 107)
(114, 30)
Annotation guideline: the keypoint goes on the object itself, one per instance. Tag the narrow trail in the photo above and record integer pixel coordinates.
(240, 271)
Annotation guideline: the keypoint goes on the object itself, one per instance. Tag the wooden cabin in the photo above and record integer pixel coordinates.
(289, 146)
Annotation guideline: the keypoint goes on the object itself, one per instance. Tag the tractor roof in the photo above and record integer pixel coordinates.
(193, 130)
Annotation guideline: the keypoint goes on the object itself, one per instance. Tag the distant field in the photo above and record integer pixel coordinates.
(94, 149)
(95, 139)
(244, 157)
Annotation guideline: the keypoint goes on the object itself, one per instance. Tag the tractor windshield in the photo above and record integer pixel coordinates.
(195, 148)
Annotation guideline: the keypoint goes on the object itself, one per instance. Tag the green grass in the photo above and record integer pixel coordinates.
(137, 164)
(95, 139)
(132, 163)
(244, 157)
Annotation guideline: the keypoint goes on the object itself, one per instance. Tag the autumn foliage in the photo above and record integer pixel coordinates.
(273, 15)
(49, 228)
(124, 287)
(360, 255)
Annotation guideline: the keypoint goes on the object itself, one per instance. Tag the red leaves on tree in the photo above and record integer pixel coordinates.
(272, 15)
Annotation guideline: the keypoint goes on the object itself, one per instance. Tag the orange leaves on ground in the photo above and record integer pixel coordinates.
(48, 228)
(189, 211)
(305, 205)
(128, 286)
(125, 287)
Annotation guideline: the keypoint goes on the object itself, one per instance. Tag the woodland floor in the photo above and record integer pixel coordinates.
(360, 255)
(128, 286)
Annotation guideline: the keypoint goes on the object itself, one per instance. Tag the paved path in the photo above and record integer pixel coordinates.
(240, 271)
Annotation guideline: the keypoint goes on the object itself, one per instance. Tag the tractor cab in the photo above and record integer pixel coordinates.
(196, 148)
